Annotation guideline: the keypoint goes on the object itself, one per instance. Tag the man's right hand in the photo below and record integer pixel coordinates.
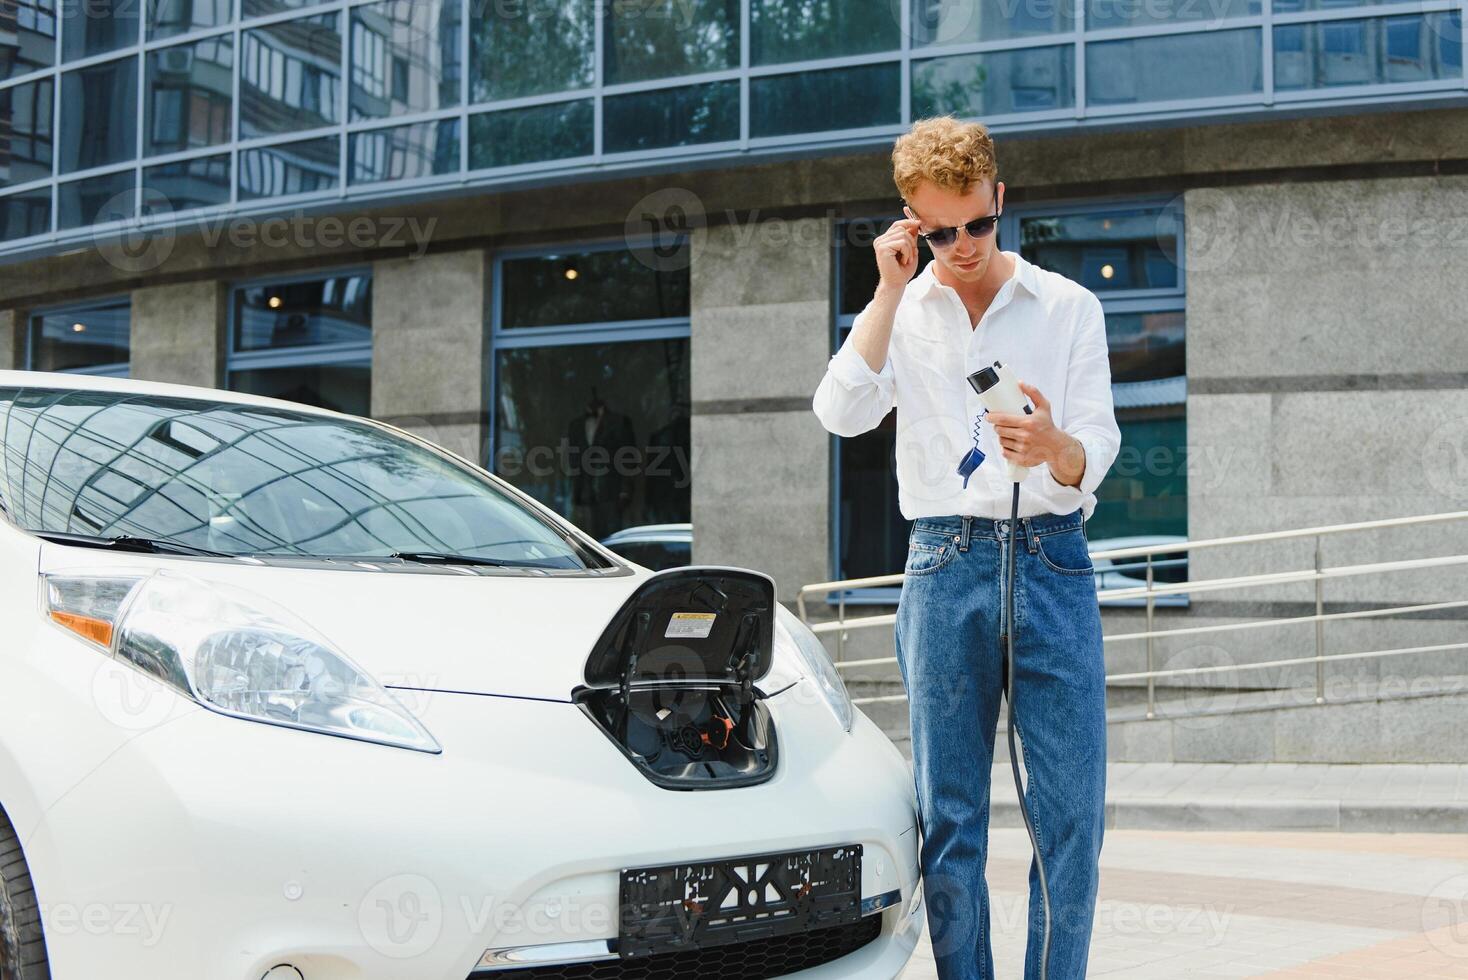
(897, 254)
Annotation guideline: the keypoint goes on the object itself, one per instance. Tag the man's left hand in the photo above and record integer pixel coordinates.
(1030, 440)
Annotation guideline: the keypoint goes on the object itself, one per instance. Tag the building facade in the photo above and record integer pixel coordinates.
(605, 249)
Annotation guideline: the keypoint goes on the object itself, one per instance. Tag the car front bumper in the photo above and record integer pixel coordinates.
(217, 849)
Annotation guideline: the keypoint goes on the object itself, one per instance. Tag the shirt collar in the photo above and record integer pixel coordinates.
(1024, 275)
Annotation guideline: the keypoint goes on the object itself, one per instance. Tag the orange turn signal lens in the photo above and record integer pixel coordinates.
(98, 631)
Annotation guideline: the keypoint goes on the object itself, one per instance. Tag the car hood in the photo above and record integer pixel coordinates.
(428, 629)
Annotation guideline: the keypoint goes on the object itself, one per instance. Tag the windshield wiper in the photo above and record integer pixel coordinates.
(126, 542)
(434, 558)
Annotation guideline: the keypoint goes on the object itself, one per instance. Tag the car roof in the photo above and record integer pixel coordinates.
(60, 381)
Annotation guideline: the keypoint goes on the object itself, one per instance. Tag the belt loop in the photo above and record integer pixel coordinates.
(963, 537)
(1030, 536)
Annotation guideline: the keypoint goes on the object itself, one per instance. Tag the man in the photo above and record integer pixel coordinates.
(912, 348)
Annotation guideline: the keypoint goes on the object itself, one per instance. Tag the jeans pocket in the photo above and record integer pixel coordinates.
(1066, 552)
(928, 551)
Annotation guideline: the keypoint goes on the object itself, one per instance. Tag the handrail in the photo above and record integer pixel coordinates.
(1317, 575)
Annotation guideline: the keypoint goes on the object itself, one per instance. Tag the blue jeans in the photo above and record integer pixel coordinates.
(949, 621)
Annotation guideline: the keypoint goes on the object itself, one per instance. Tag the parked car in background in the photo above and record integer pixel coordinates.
(1126, 573)
(655, 546)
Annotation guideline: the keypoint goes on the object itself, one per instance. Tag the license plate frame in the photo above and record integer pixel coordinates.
(695, 905)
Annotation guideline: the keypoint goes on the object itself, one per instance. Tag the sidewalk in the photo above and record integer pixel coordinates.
(1208, 905)
(1271, 796)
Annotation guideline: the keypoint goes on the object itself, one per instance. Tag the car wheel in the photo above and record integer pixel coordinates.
(22, 944)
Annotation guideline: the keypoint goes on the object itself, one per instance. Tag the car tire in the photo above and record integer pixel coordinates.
(22, 941)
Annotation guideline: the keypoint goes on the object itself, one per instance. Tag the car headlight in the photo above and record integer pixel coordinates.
(819, 668)
(232, 652)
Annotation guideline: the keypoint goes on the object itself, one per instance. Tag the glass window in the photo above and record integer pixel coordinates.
(405, 57)
(338, 387)
(1374, 51)
(1112, 14)
(404, 152)
(29, 39)
(25, 132)
(169, 18)
(80, 338)
(263, 8)
(335, 310)
(666, 38)
(597, 432)
(543, 132)
(1173, 67)
(190, 95)
(25, 214)
(520, 49)
(858, 272)
(97, 200)
(99, 115)
(290, 76)
(995, 83)
(840, 98)
(667, 117)
(804, 30)
(966, 21)
(592, 287)
(95, 27)
(198, 183)
(291, 168)
(245, 480)
(1106, 251)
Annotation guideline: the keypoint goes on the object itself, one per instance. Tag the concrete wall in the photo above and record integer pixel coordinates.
(430, 347)
(178, 333)
(12, 339)
(760, 339)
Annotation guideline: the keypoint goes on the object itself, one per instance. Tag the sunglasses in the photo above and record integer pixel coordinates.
(977, 228)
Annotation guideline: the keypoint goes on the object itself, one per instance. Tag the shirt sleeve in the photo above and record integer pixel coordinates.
(1089, 414)
(852, 398)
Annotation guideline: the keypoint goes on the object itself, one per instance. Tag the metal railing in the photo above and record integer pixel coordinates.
(1152, 590)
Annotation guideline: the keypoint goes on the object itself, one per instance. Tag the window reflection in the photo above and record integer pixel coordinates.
(167, 18)
(27, 36)
(338, 387)
(80, 338)
(335, 310)
(1174, 67)
(544, 132)
(200, 182)
(1374, 51)
(671, 117)
(594, 287)
(1106, 250)
(97, 200)
(964, 21)
(99, 115)
(290, 76)
(999, 82)
(666, 38)
(803, 30)
(599, 433)
(814, 101)
(530, 49)
(291, 168)
(95, 27)
(25, 132)
(190, 95)
(25, 214)
(405, 57)
(405, 152)
(1112, 14)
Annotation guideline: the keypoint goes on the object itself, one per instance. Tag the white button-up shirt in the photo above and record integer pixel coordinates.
(1049, 329)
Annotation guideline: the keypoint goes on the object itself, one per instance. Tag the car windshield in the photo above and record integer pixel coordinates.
(243, 479)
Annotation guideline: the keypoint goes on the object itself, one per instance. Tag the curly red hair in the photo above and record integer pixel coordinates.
(943, 151)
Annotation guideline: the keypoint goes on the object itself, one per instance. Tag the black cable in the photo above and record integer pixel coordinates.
(1019, 785)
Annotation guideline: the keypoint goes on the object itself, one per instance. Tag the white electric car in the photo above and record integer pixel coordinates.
(287, 694)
